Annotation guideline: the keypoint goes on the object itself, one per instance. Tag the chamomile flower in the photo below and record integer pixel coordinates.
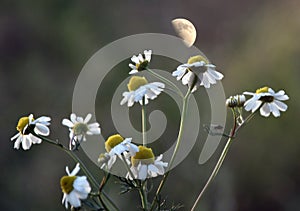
(141, 91)
(140, 62)
(268, 100)
(115, 146)
(197, 72)
(144, 164)
(79, 128)
(75, 188)
(25, 127)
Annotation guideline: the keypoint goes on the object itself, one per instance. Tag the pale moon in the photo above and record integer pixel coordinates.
(185, 30)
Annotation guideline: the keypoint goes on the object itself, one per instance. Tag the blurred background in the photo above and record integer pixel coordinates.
(44, 45)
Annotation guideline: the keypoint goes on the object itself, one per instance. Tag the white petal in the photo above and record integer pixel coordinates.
(95, 131)
(26, 142)
(148, 55)
(82, 186)
(41, 129)
(140, 58)
(188, 78)
(73, 118)
(280, 105)
(87, 118)
(217, 75)
(135, 59)
(142, 173)
(274, 110)
(15, 136)
(73, 199)
(133, 71)
(18, 142)
(35, 140)
(68, 123)
(79, 119)
(75, 170)
(265, 110)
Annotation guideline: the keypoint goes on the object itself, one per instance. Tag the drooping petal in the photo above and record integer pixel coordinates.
(280, 105)
(41, 129)
(73, 199)
(265, 110)
(26, 142)
(274, 110)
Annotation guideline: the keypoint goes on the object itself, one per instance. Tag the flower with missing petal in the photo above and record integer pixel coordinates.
(115, 146)
(75, 188)
(79, 128)
(26, 126)
(197, 72)
(140, 62)
(144, 164)
(141, 91)
(268, 100)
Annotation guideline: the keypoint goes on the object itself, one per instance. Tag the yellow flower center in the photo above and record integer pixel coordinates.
(142, 66)
(136, 82)
(266, 99)
(23, 122)
(80, 128)
(66, 183)
(197, 58)
(144, 155)
(262, 90)
(113, 141)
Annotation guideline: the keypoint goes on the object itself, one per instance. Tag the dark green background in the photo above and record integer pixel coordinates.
(44, 45)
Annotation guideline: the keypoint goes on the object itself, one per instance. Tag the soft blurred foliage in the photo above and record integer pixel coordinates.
(44, 44)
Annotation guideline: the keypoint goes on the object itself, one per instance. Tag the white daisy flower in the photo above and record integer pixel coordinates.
(74, 188)
(79, 128)
(144, 164)
(140, 62)
(115, 146)
(25, 127)
(268, 100)
(141, 91)
(197, 72)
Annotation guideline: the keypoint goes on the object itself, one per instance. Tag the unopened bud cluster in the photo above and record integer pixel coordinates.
(236, 101)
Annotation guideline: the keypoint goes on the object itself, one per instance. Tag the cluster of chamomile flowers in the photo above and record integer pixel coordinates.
(141, 160)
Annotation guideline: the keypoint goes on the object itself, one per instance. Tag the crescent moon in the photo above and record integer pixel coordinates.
(185, 30)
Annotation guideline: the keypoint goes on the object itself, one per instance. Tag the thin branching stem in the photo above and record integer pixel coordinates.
(94, 182)
(179, 137)
(220, 161)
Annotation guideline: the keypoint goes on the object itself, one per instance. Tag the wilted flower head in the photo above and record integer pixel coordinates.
(141, 91)
(26, 127)
(144, 164)
(268, 100)
(115, 146)
(140, 62)
(75, 188)
(197, 72)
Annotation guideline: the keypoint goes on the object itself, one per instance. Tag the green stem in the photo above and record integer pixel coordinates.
(177, 90)
(143, 195)
(144, 123)
(183, 115)
(220, 161)
(83, 167)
